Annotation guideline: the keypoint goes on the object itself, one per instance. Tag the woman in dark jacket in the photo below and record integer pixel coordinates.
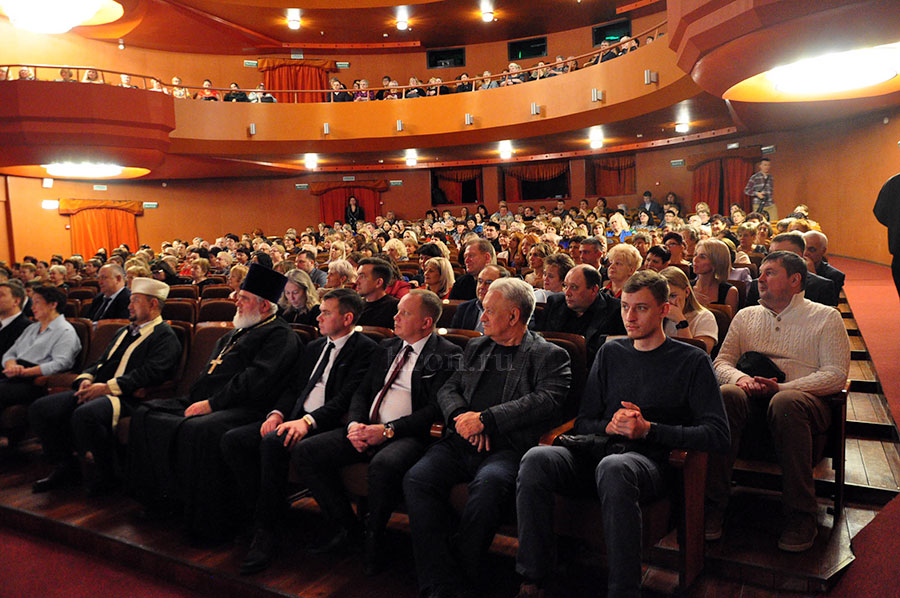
(353, 213)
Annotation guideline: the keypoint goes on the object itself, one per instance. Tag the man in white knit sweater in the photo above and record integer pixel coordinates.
(807, 341)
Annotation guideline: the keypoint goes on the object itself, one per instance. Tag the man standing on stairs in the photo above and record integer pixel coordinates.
(780, 356)
(887, 211)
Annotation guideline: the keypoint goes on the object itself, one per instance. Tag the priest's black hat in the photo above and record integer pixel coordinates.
(264, 282)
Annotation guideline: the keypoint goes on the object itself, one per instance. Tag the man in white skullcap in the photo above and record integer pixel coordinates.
(143, 354)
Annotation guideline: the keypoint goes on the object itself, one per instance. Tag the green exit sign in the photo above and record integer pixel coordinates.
(251, 63)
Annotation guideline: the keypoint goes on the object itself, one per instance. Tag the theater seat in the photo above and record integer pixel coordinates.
(576, 346)
(181, 309)
(449, 310)
(376, 333)
(82, 293)
(206, 335)
(216, 291)
(184, 291)
(306, 332)
(217, 310)
(458, 336)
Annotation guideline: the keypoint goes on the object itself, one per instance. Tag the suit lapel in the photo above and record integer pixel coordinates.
(519, 361)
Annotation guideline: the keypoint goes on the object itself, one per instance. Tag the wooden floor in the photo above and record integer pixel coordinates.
(745, 564)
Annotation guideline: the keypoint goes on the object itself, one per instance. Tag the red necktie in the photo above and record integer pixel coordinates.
(377, 404)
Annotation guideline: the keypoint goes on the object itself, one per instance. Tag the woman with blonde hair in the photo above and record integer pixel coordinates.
(396, 249)
(624, 260)
(439, 277)
(235, 278)
(529, 240)
(712, 265)
(337, 251)
(536, 257)
(299, 304)
(617, 227)
(687, 317)
(341, 275)
(136, 271)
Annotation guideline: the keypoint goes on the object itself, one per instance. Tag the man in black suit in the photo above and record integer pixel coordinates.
(816, 248)
(12, 321)
(112, 300)
(390, 420)
(651, 205)
(146, 353)
(468, 314)
(507, 391)
(259, 453)
(373, 277)
(887, 211)
(582, 309)
(476, 255)
(818, 289)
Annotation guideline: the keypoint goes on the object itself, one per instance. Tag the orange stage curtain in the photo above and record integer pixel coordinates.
(615, 175)
(280, 73)
(94, 228)
(707, 183)
(334, 196)
(736, 172)
(450, 182)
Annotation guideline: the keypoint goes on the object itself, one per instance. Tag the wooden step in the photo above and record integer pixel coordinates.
(857, 344)
(862, 370)
(844, 308)
(851, 326)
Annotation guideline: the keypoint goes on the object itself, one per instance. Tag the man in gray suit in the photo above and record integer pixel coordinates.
(507, 391)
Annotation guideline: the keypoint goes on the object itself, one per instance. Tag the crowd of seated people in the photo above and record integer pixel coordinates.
(628, 281)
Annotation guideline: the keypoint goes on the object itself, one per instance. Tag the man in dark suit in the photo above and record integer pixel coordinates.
(507, 391)
(468, 314)
(112, 300)
(373, 277)
(816, 249)
(12, 321)
(651, 205)
(258, 454)
(887, 211)
(146, 353)
(818, 289)
(174, 443)
(476, 255)
(582, 309)
(390, 420)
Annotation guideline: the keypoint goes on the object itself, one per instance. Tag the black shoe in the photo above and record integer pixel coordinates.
(343, 540)
(374, 555)
(262, 551)
(62, 475)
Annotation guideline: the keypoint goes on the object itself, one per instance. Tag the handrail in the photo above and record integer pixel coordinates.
(400, 88)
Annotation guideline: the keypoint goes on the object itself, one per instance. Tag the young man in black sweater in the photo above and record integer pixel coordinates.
(644, 395)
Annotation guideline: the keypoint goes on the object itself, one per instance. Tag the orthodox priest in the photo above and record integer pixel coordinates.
(174, 443)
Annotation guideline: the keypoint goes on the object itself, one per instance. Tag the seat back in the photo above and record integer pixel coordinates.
(181, 309)
(206, 335)
(458, 336)
(82, 293)
(185, 333)
(82, 328)
(576, 346)
(449, 310)
(102, 334)
(91, 283)
(216, 291)
(307, 333)
(376, 333)
(741, 286)
(183, 291)
(217, 310)
(72, 309)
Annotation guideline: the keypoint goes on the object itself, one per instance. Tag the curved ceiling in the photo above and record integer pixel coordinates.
(259, 26)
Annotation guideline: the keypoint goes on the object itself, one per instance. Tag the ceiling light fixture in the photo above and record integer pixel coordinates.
(311, 161)
(506, 149)
(412, 158)
(596, 137)
(49, 16)
(682, 127)
(487, 12)
(82, 170)
(402, 18)
(837, 72)
(293, 18)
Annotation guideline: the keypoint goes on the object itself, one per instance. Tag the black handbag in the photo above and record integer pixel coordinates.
(754, 363)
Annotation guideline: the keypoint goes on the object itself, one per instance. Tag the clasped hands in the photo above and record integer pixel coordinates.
(628, 422)
(757, 386)
(88, 391)
(363, 436)
(470, 427)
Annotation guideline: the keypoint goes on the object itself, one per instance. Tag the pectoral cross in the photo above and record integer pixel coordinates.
(212, 364)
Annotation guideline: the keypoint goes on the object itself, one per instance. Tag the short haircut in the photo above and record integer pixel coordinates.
(431, 304)
(309, 254)
(690, 231)
(629, 252)
(492, 224)
(660, 251)
(593, 241)
(562, 261)
(203, 263)
(718, 218)
(795, 239)
(348, 300)
(343, 268)
(746, 228)
(503, 272)
(117, 270)
(517, 291)
(52, 295)
(791, 262)
(673, 235)
(648, 279)
(17, 291)
(381, 268)
(431, 250)
(485, 246)
(643, 235)
(591, 275)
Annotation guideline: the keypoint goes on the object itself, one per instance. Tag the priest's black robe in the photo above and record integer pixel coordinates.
(177, 458)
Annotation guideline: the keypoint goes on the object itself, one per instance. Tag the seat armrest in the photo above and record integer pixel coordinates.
(62, 381)
(164, 390)
(548, 438)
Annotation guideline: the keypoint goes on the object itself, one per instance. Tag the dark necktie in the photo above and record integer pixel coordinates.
(399, 367)
(314, 379)
(104, 306)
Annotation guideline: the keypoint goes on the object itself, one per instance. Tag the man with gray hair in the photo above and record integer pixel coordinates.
(816, 248)
(508, 390)
(113, 299)
(12, 321)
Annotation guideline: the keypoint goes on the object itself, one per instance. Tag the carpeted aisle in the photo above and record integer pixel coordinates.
(875, 573)
(873, 298)
(32, 567)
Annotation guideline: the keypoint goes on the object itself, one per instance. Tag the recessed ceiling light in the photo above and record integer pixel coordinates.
(506, 149)
(293, 18)
(836, 72)
(82, 170)
(411, 157)
(682, 127)
(385, 35)
(402, 18)
(596, 137)
(43, 16)
(487, 11)
(311, 161)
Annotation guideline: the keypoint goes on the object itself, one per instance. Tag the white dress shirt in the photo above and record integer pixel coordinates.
(316, 397)
(397, 402)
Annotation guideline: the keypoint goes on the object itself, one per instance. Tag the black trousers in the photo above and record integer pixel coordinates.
(318, 461)
(18, 391)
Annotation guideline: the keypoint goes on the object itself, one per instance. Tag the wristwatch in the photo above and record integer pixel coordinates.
(682, 325)
(388, 431)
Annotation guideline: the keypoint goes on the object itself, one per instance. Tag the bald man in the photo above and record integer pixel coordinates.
(816, 248)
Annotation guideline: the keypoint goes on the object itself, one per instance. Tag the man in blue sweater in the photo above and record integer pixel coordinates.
(644, 396)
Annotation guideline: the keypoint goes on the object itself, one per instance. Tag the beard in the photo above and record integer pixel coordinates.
(247, 319)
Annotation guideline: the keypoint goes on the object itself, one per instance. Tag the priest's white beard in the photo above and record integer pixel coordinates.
(246, 320)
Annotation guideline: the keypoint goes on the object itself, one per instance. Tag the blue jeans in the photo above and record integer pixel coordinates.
(621, 483)
(491, 477)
